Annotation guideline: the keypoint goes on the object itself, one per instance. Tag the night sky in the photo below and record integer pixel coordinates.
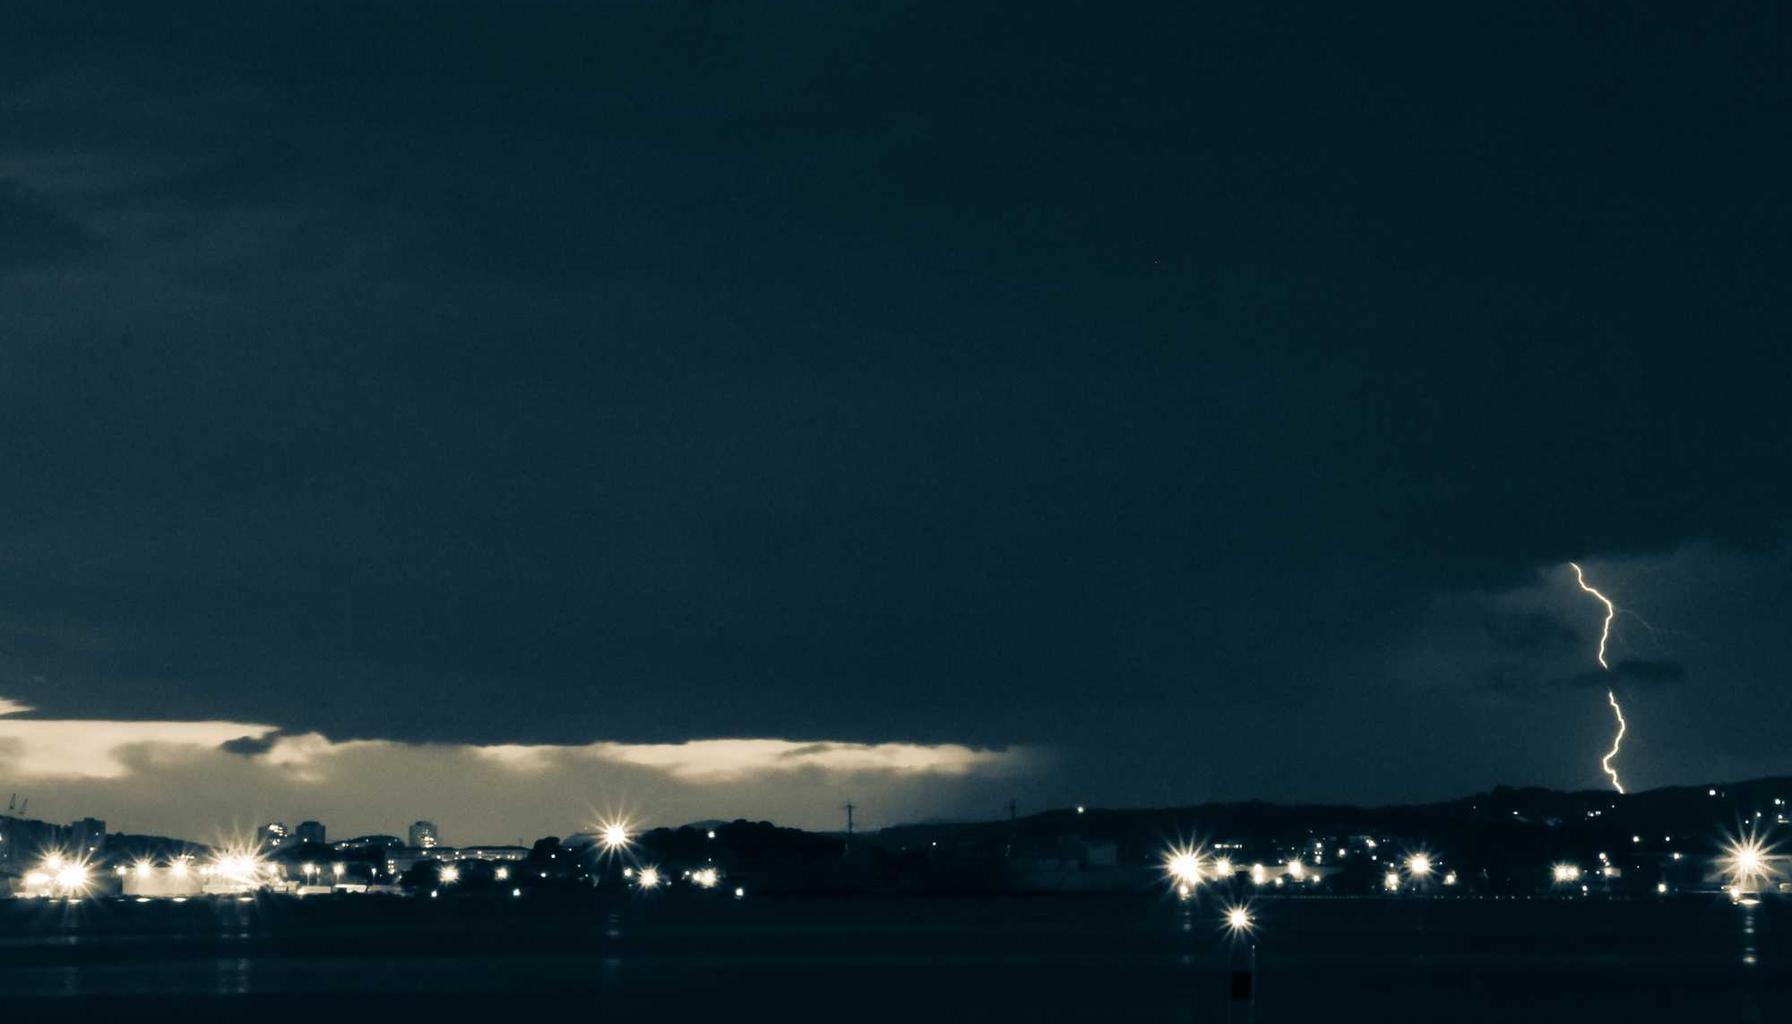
(1122, 406)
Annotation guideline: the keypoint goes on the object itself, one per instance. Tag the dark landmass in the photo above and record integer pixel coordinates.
(1502, 841)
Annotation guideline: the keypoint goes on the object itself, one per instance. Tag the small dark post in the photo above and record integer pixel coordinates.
(1244, 985)
(849, 808)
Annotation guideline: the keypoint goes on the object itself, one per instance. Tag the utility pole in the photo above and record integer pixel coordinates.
(849, 810)
(1011, 805)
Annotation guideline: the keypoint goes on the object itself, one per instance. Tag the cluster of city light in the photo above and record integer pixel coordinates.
(145, 868)
(1747, 862)
(1183, 864)
(240, 866)
(1187, 868)
(65, 876)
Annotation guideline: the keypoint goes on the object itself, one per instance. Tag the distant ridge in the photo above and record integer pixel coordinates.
(1503, 816)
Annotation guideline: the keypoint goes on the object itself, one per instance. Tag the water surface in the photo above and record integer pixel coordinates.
(893, 958)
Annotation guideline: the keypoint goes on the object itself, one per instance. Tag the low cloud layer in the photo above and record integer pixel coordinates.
(731, 759)
(32, 749)
(197, 778)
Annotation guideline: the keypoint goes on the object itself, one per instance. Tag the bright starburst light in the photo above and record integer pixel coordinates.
(1748, 861)
(1184, 865)
(614, 835)
(1238, 920)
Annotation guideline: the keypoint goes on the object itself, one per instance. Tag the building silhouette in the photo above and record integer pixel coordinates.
(24, 841)
(87, 836)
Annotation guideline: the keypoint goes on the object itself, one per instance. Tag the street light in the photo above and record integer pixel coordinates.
(1183, 864)
(1240, 927)
(614, 835)
(1746, 861)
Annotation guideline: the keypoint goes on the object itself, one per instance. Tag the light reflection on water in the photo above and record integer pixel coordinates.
(612, 964)
(233, 976)
(1749, 1003)
(1011, 958)
(1751, 955)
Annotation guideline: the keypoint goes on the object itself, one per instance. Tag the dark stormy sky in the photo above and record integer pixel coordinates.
(1061, 402)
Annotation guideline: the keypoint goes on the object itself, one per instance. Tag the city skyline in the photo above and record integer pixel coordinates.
(1710, 821)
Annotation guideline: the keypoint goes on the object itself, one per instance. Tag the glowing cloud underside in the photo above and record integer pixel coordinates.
(184, 777)
(99, 749)
(102, 749)
(1605, 635)
(723, 759)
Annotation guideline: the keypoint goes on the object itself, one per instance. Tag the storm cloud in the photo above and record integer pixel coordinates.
(1129, 386)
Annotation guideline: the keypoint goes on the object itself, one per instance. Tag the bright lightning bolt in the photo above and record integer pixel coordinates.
(1611, 611)
(1617, 741)
(1605, 634)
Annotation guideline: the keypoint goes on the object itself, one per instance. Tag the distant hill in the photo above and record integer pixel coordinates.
(1722, 807)
(122, 846)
